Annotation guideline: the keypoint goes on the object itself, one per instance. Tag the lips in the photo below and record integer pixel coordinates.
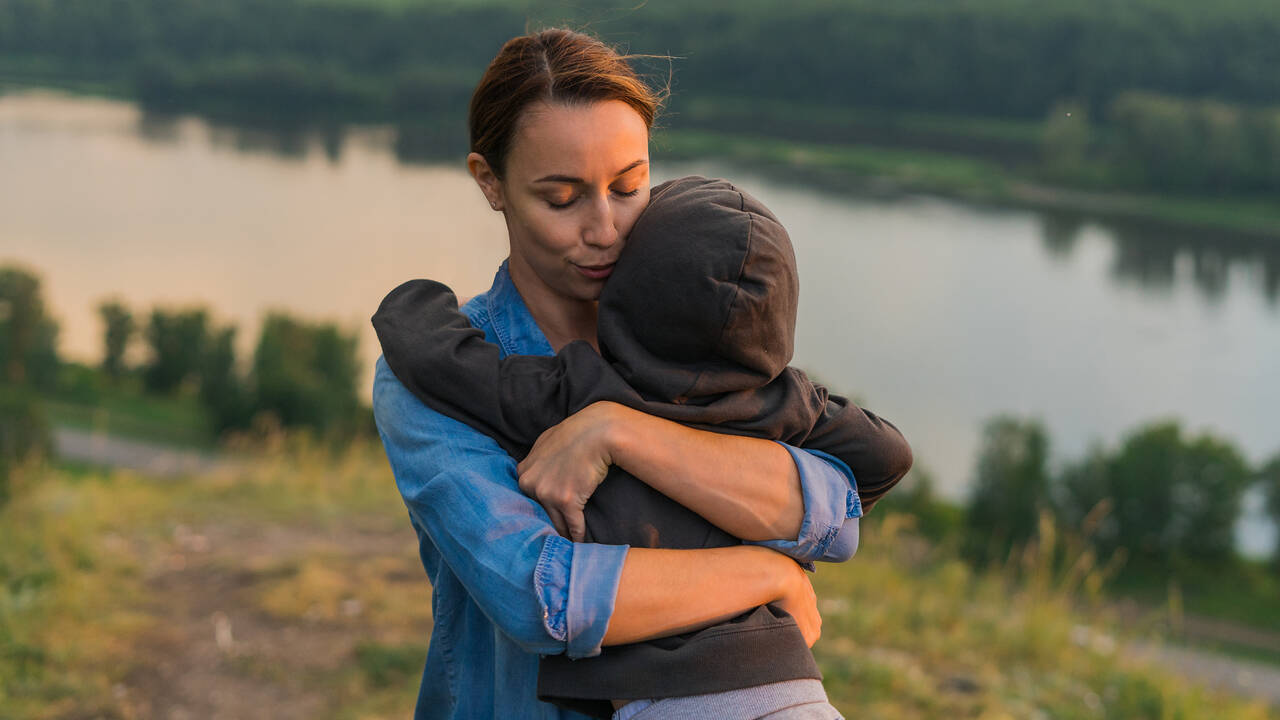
(596, 272)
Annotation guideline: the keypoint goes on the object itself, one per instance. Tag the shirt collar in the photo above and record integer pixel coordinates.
(513, 324)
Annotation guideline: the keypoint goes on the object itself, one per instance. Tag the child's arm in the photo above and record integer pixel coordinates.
(873, 448)
(433, 350)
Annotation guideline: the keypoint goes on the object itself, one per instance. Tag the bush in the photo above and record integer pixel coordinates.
(24, 432)
(936, 519)
(1010, 487)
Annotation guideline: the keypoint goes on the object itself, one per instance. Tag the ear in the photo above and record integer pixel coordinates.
(487, 179)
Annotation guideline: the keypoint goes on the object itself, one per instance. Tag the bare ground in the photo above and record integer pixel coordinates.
(222, 647)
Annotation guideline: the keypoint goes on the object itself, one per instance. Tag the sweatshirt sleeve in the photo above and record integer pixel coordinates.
(546, 593)
(874, 450)
(439, 357)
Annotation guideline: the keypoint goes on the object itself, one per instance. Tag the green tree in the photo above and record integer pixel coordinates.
(936, 519)
(178, 339)
(28, 338)
(24, 432)
(1269, 478)
(222, 391)
(1066, 145)
(1010, 486)
(1173, 499)
(306, 374)
(117, 331)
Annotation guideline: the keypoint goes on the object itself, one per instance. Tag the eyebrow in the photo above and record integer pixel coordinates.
(579, 181)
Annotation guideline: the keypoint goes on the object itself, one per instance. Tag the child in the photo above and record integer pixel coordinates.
(696, 325)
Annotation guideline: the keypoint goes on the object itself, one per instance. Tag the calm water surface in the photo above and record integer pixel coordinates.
(936, 314)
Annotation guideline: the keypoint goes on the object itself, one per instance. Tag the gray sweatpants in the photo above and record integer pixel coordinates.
(790, 700)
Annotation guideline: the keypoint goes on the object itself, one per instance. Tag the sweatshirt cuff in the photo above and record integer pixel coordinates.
(577, 584)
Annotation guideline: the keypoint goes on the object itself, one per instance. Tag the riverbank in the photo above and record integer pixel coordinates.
(970, 178)
(289, 586)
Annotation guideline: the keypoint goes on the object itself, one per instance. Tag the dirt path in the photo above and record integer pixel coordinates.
(243, 630)
(98, 448)
(1220, 672)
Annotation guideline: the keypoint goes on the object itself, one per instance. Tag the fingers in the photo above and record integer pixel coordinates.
(562, 528)
(577, 523)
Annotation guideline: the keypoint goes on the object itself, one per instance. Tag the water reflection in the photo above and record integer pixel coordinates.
(1060, 231)
(282, 139)
(1152, 257)
(1147, 255)
(427, 140)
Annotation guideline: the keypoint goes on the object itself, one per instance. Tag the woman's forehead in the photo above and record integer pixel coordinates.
(592, 142)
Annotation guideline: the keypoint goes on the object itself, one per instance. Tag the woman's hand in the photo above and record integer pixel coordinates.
(799, 600)
(566, 465)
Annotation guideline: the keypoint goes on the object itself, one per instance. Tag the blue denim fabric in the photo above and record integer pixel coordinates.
(505, 587)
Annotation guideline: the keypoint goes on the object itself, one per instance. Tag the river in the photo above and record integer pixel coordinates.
(936, 314)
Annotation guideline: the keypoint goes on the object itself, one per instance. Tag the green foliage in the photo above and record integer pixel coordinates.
(306, 374)
(1005, 58)
(1067, 143)
(24, 432)
(178, 339)
(117, 331)
(1169, 143)
(1171, 499)
(936, 519)
(1010, 486)
(28, 352)
(222, 391)
(1269, 479)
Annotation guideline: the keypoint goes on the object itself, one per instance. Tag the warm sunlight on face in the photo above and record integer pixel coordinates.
(576, 179)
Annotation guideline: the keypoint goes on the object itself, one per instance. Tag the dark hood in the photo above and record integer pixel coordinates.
(703, 298)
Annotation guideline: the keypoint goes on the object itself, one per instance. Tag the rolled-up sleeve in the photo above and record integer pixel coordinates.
(548, 594)
(577, 585)
(829, 530)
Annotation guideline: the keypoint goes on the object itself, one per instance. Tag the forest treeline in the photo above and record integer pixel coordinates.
(1144, 77)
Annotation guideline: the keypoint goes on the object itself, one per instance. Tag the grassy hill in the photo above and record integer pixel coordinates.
(287, 584)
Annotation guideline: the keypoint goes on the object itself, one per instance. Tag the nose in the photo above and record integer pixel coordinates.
(600, 229)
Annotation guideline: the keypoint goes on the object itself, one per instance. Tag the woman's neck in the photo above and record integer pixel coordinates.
(562, 319)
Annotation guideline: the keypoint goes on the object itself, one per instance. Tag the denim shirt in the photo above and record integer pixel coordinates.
(505, 587)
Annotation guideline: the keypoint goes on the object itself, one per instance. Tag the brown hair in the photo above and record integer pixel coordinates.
(554, 65)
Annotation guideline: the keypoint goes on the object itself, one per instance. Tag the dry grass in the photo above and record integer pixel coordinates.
(288, 585)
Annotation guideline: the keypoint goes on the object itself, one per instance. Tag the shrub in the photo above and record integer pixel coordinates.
(1010, 487)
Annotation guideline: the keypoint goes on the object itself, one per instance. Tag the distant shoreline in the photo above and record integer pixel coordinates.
(884, 170)
(971, 179)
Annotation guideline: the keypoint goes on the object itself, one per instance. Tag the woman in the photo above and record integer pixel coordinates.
(559, 128)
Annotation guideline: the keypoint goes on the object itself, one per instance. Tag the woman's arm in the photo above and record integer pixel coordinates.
(759, 490)
(548, 594)
(748, 487)
(725, 581)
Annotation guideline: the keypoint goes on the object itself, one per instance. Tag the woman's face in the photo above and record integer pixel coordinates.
(577, 177)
